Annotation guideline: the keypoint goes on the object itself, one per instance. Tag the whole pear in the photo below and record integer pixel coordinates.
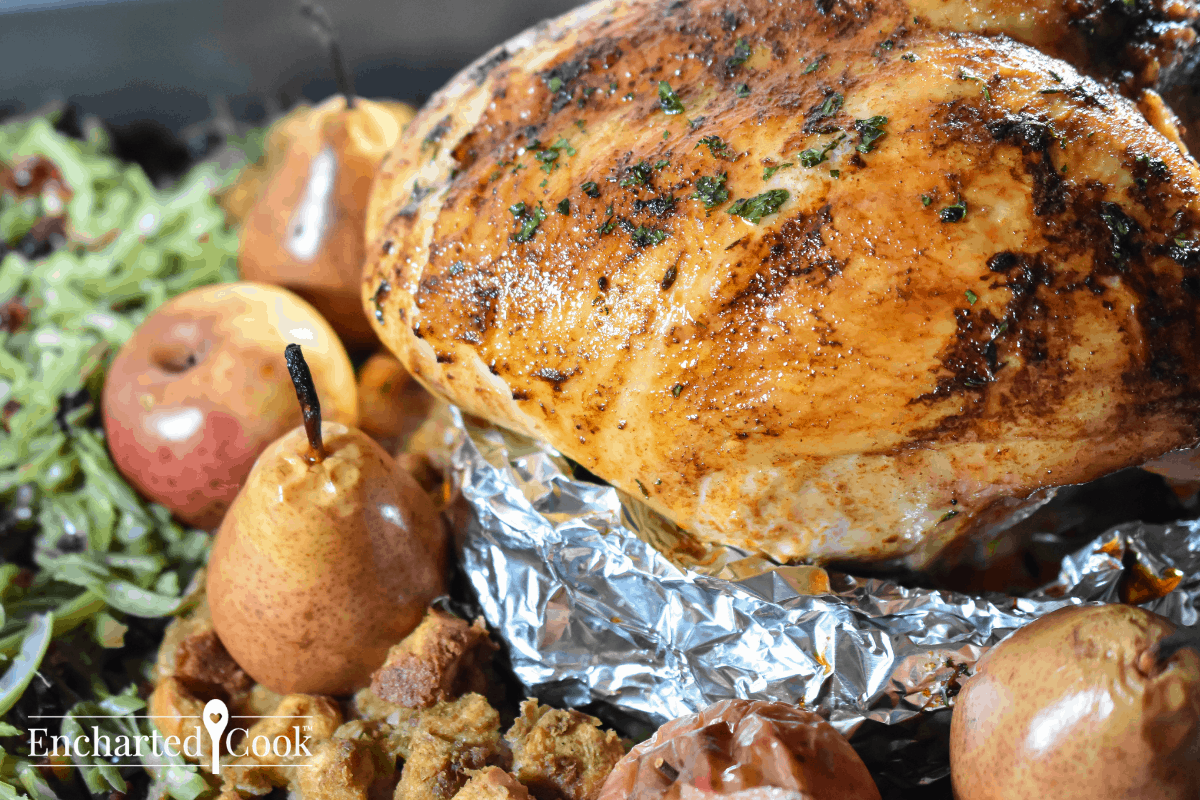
(328, 556)
(1079, 705)
(304, 227)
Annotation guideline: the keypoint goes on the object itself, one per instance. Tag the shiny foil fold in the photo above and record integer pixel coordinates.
(600, 601)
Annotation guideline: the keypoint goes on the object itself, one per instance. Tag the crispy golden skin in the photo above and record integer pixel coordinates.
(996, 296)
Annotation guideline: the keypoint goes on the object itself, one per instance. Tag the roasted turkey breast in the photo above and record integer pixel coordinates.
(819, 279)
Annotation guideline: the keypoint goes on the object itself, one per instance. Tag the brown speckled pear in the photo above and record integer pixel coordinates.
(321, 565)
(391, 405)
(304, 227)
(1076, 706)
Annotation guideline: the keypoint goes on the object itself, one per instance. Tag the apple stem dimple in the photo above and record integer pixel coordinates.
(1168, 646)
(323, 28)
(310, 404)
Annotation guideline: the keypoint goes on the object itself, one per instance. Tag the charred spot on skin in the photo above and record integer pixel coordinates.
(562, 80)
(660, 206)
(552, 376)
(1035, 138)
(520, 394)
(1149, 171)
(669, 278)
(480, 71)
(1123, 235)
(381, 294)
(445, 358)
(971, 362)
(797, 249)
(418, 194)
(1002, 262)
(436, 133)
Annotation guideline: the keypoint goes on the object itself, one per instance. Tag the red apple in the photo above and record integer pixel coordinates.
(201, 388)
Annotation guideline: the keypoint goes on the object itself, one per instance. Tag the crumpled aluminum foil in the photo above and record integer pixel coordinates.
(572, 576)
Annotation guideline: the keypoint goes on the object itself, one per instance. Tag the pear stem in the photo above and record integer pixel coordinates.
(323, 29)
(306, 393)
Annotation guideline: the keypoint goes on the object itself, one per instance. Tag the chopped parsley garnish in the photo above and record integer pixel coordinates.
(609, 222)
(662, 164)
(670, 102)
(719, 149)
(517, 209)
(1057, 78)
(926, 200)
(869, 130)
(554, 84)
(564, 207)
(677, 389)
(647, 237)
(972, 298)
(711, 190)
(812, 157)
(564, 145)
(909, 57)
(637, 175)
(530, 225)
(590, 189)
(640, 486)
(832, 105)
(769, 171)
(948, 515)
(1121, 227)
(966, 76)
(954, 213)
(835, 173)
(753, 209)
(741, 52)
(816, 62)
(549, 155)
(742, 90)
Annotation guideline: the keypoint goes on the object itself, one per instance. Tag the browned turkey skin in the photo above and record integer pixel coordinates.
(871, 287)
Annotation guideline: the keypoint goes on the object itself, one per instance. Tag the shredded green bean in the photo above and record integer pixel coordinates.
(101, 554)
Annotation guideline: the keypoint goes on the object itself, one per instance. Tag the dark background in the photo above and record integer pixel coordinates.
(175, 61)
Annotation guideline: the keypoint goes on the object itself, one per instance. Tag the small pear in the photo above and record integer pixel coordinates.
(328, 556)
(1086, 703)
(391, 404)
(304, 229)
